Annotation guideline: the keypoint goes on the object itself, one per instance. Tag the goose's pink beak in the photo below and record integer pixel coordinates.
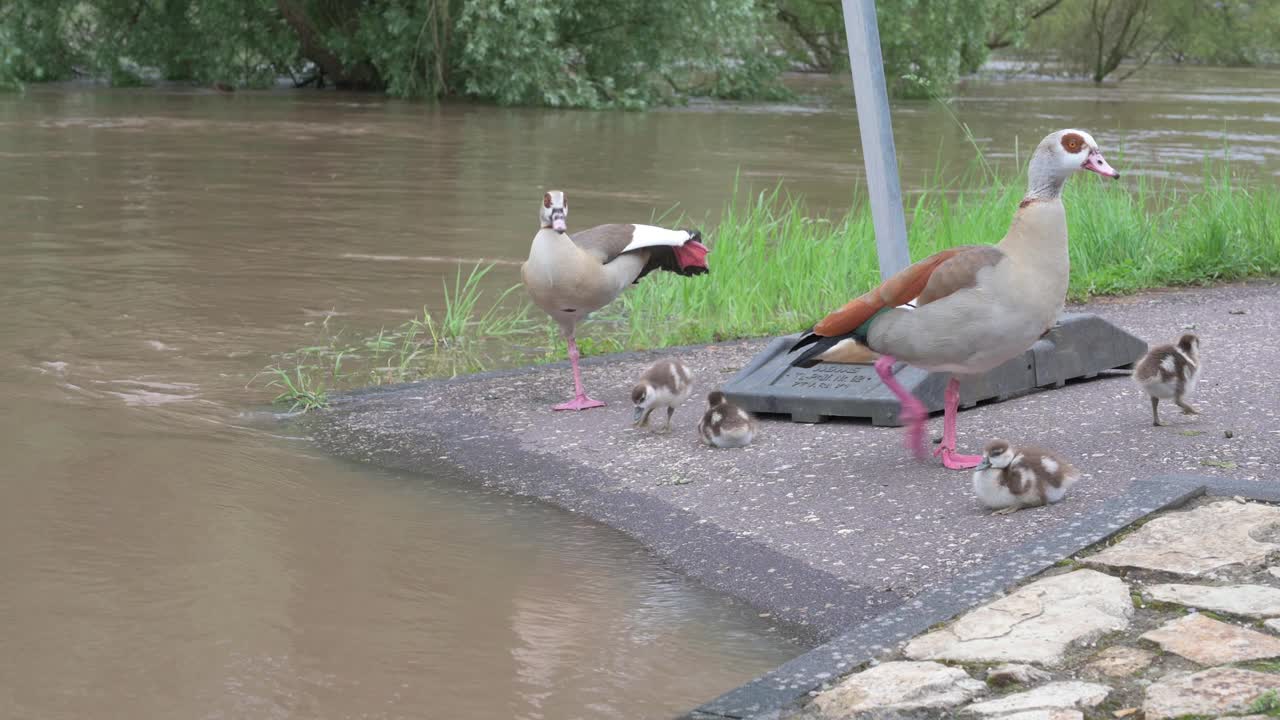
(557, 223)
(1098, 164)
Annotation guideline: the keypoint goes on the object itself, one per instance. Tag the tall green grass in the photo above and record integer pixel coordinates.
(776, 268)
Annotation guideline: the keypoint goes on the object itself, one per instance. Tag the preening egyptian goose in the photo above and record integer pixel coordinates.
(1010, 478)
(666, 384)
(1170, 372)
(569, 276)
(974, 306)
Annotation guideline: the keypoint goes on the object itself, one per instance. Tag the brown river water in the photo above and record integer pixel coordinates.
(170, 549)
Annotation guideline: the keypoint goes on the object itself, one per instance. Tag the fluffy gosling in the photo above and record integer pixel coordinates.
(1011, 478)
(726, 425)
(1170, 372)
(666, 384)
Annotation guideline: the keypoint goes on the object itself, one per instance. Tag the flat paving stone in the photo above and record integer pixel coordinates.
(1035, 624)
(1210, 692)
(1207, 641)
(1070, 695)
(1120, 661)
(1045, 714)
(1196, 542)
(1260, 601)
(898, 686)
(1272, 625)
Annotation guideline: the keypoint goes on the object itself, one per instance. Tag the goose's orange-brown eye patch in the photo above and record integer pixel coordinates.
(1072, 143)
(546, 200)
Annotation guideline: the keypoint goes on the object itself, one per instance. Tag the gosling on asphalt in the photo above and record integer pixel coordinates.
(725, 425)
(1010, 478)
(1170, 372)
(665, 385)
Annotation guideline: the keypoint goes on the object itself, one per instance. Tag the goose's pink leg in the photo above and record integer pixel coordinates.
(912, 412)
(950, 458)
(580, 400)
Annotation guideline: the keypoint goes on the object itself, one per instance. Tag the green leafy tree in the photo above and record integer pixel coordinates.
(926, 44)
(1010, 20)
(1223, 32)
(811, 33)
(1113, 39)
(237, 41)
(620, 53)
(593, 53)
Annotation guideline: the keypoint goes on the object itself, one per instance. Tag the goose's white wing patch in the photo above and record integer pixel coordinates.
(649, 236)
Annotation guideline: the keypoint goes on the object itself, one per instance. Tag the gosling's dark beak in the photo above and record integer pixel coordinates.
(637, 415)
(984, 465)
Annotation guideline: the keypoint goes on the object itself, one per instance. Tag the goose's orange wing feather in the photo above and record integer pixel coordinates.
(903, 287)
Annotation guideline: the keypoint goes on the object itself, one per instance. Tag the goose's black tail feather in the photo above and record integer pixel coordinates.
(817, 345)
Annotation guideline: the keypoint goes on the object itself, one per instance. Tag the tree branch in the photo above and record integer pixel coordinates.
(360, 75)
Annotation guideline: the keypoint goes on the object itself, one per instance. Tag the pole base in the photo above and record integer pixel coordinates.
(1079, 346)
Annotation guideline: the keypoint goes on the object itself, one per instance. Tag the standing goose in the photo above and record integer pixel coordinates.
(975, 306)
(569, 276)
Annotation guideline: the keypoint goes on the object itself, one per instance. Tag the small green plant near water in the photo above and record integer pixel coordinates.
(462, 319)
(298, 388)
(1268, 703)
(430, 345)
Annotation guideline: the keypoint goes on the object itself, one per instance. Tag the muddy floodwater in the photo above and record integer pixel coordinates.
(170, 548)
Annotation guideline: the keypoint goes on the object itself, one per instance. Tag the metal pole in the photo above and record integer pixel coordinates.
(877, 135)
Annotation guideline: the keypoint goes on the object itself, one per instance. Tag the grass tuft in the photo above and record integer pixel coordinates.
(776, 268)
(298, 389)
(455, 342)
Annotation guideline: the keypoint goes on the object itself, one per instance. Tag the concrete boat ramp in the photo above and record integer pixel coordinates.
(832, 527)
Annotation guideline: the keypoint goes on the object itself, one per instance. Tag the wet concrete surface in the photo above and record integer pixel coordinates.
(824, 526)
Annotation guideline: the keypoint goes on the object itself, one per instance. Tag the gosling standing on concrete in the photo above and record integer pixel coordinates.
(726, 425)
(666, 384)
(1011, 478)
(1170, 372)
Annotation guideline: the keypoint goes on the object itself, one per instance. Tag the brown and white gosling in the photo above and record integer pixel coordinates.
(1170, 372)
(666, 384)
(1008, 478)
(726, 425)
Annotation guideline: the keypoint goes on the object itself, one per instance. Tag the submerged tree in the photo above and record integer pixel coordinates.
(1103, 39)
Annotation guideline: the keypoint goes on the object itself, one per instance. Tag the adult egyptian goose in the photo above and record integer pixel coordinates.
(569, 276)
(968, 309)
